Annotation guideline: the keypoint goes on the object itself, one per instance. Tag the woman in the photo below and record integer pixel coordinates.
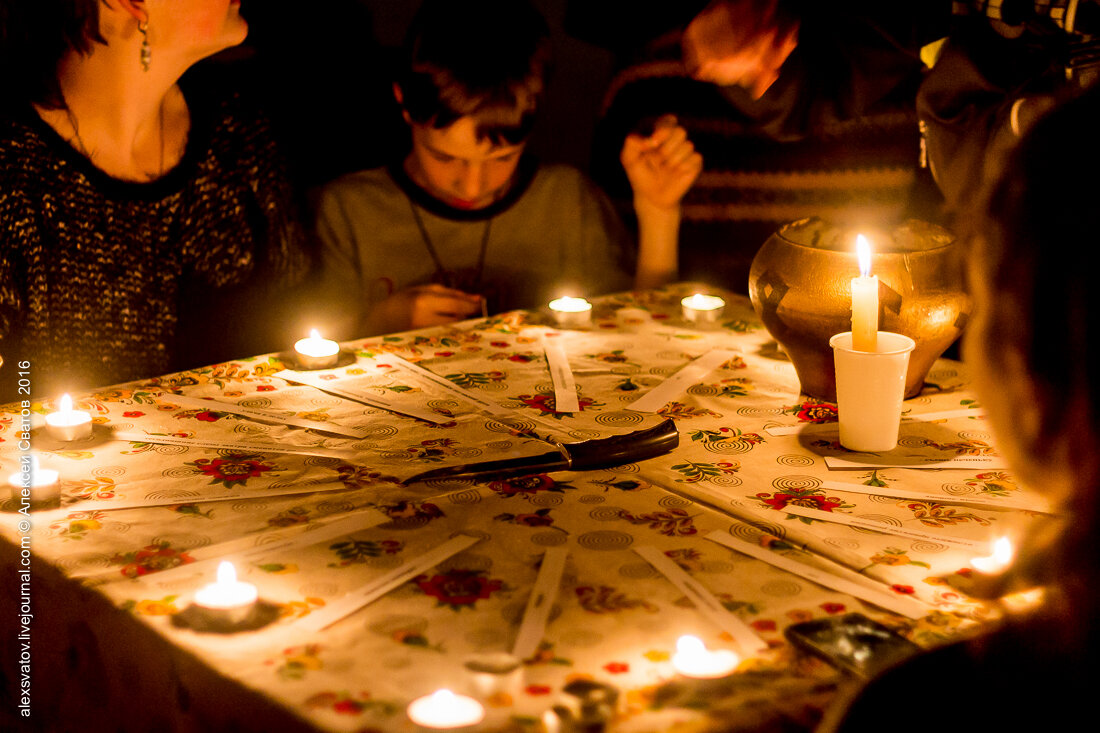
(140, 214)
(1033, 353)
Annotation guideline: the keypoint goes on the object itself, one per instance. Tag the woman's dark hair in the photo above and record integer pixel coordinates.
(34, 36)
(483, 58)
(1040, 217)
(1039, 221)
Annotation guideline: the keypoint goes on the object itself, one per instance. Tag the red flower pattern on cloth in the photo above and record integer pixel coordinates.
(458, 588)
(232, 470)
(526, 486)
(545, 403)
(810, 498)
(815, 412)
(151, 559)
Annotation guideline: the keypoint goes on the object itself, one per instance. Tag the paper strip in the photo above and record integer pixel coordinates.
(904, 605)
(870, 460)
(123, 501)
(262, 415)
(245, 550)
(877, 526)
(341, 388)
(707, 604)
(1030, 504)
(565, 389)
(446, 385)
(540, 603)
(228, 445)
(827, 426)
(677, 384)
(377, 588)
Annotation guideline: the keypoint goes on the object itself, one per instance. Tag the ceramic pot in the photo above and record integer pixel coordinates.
(800, 286)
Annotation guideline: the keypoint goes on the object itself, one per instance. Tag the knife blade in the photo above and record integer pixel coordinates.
(585, 455)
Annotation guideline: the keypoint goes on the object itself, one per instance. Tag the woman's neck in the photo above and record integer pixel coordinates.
(129, 123)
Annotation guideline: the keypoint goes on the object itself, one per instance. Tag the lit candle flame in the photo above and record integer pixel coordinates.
(998, 561)
(863, 254)
(689, 645)
(66, 404)
(227, 574)
(314, 333)
(443, 697)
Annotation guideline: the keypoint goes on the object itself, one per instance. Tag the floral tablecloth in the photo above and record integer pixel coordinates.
(133, 508)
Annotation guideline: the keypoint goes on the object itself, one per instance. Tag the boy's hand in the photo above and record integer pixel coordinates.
(421, 306)
(661, 167)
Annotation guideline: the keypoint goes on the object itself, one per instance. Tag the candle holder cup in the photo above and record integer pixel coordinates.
(869, 386)
(800, 287)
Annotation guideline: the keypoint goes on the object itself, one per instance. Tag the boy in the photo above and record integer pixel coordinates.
(465, 223)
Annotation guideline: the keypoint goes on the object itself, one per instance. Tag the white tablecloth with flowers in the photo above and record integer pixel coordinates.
(615, 620)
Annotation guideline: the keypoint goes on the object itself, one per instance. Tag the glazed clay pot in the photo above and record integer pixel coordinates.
(800, 286)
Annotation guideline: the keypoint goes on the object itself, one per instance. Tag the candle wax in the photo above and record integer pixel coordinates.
(864, 301)
(41, 484)
(692, 659)
(445, 709)
(700, 308)
(999, 561)
(316, 352)
(227, 592)
(67, 423)
(571, 311)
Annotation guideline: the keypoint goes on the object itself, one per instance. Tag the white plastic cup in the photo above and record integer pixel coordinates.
(870, 387)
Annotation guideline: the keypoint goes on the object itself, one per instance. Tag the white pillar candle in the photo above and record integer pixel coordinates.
(571, 312)
(998, 561)
(445, 709)
(227, 599)
(37, 485)
(693, 659)
(864, 300)
(700, 308)
(316, 352)
(68, 424)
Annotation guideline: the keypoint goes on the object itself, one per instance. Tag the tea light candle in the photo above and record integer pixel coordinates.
(997, 562)
(227, 599)
(864, 300)
(701, 308)
(68, 424)
(316, 352)
(39, 484)
(693, 659)
(445, 709)
(571, 312)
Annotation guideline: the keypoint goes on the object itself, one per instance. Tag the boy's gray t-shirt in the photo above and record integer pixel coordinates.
(560, 236)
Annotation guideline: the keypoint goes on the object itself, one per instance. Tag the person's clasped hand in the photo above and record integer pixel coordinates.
(421, 306)
(661, 166)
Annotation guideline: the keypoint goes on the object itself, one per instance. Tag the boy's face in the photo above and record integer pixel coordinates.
(457, 168)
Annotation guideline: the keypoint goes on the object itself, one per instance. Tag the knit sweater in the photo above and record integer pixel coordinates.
(836, 136)
(104, 281)
(553, 233)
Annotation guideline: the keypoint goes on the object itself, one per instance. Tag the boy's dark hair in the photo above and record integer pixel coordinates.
(34, 35)
(483, 58)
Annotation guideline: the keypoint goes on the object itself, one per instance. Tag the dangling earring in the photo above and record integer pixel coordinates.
(146, 52)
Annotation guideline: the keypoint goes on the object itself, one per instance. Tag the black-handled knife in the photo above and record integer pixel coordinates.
(586, 455)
